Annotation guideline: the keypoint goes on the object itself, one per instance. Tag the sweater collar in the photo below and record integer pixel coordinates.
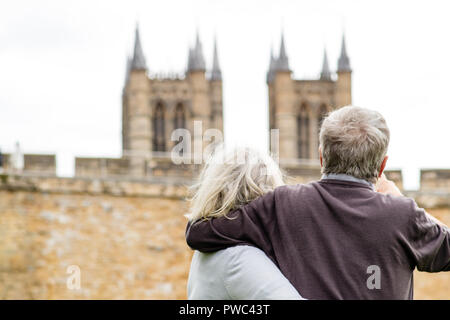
(346, 177)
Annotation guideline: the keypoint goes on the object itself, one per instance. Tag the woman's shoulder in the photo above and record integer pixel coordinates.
(241, 251)
(243, 259)
(250, 274)
(233, 254)
(234, 260)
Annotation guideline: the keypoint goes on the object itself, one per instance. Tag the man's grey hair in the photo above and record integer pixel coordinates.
(354, 141)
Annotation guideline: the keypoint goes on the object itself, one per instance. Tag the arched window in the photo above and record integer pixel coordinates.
(159, 132)
(322, 113)
(180, 117)
(303, 138)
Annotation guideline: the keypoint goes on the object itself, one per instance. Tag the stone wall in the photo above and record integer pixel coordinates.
(155, 187)
(127, 238)
(430, 199)
(125, 247)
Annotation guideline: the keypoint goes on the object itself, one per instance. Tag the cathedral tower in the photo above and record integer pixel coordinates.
(297, 107)
(154, 105)
(136, 123)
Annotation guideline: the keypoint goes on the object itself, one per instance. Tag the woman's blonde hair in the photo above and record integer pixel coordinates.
(232, 179)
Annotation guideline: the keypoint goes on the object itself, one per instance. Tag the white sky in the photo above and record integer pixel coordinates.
(62, 67)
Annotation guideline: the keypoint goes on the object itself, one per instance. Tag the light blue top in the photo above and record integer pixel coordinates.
(237, 273)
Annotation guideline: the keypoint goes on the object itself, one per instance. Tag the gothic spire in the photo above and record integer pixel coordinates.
(344, 61)
(138, 61)
(216, 73)
(196, 61)
(271, 66)
(325, 74)
(283, 60)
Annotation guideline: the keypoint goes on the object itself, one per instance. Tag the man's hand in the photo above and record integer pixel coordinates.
(387, 186)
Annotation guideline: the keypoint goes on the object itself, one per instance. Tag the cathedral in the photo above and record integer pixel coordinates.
(154, 106)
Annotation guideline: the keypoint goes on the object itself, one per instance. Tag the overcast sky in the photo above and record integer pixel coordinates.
(62, 66)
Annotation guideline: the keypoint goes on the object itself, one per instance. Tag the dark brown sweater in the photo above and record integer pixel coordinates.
(324, 235)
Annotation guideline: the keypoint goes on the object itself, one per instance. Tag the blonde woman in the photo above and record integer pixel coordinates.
(228, 181)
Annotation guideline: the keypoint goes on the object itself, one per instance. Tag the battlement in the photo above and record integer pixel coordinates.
(34, 163)
(101, 167)
(435, 180)
(396, 176)
(303, 171)
(158, 164)
(164, 183)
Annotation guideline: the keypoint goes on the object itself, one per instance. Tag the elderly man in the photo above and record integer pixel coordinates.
(338, 238)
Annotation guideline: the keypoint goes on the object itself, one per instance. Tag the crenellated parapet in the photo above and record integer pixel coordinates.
(32, 164)
(435, 180)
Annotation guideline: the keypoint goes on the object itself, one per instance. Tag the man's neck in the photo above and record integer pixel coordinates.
(346, 177)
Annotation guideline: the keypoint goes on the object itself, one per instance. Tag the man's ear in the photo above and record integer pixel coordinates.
(383, 165)
(320, 157)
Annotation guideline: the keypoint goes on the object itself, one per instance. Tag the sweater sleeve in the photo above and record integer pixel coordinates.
(429, 241)
(249, 224)
(250, 275)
